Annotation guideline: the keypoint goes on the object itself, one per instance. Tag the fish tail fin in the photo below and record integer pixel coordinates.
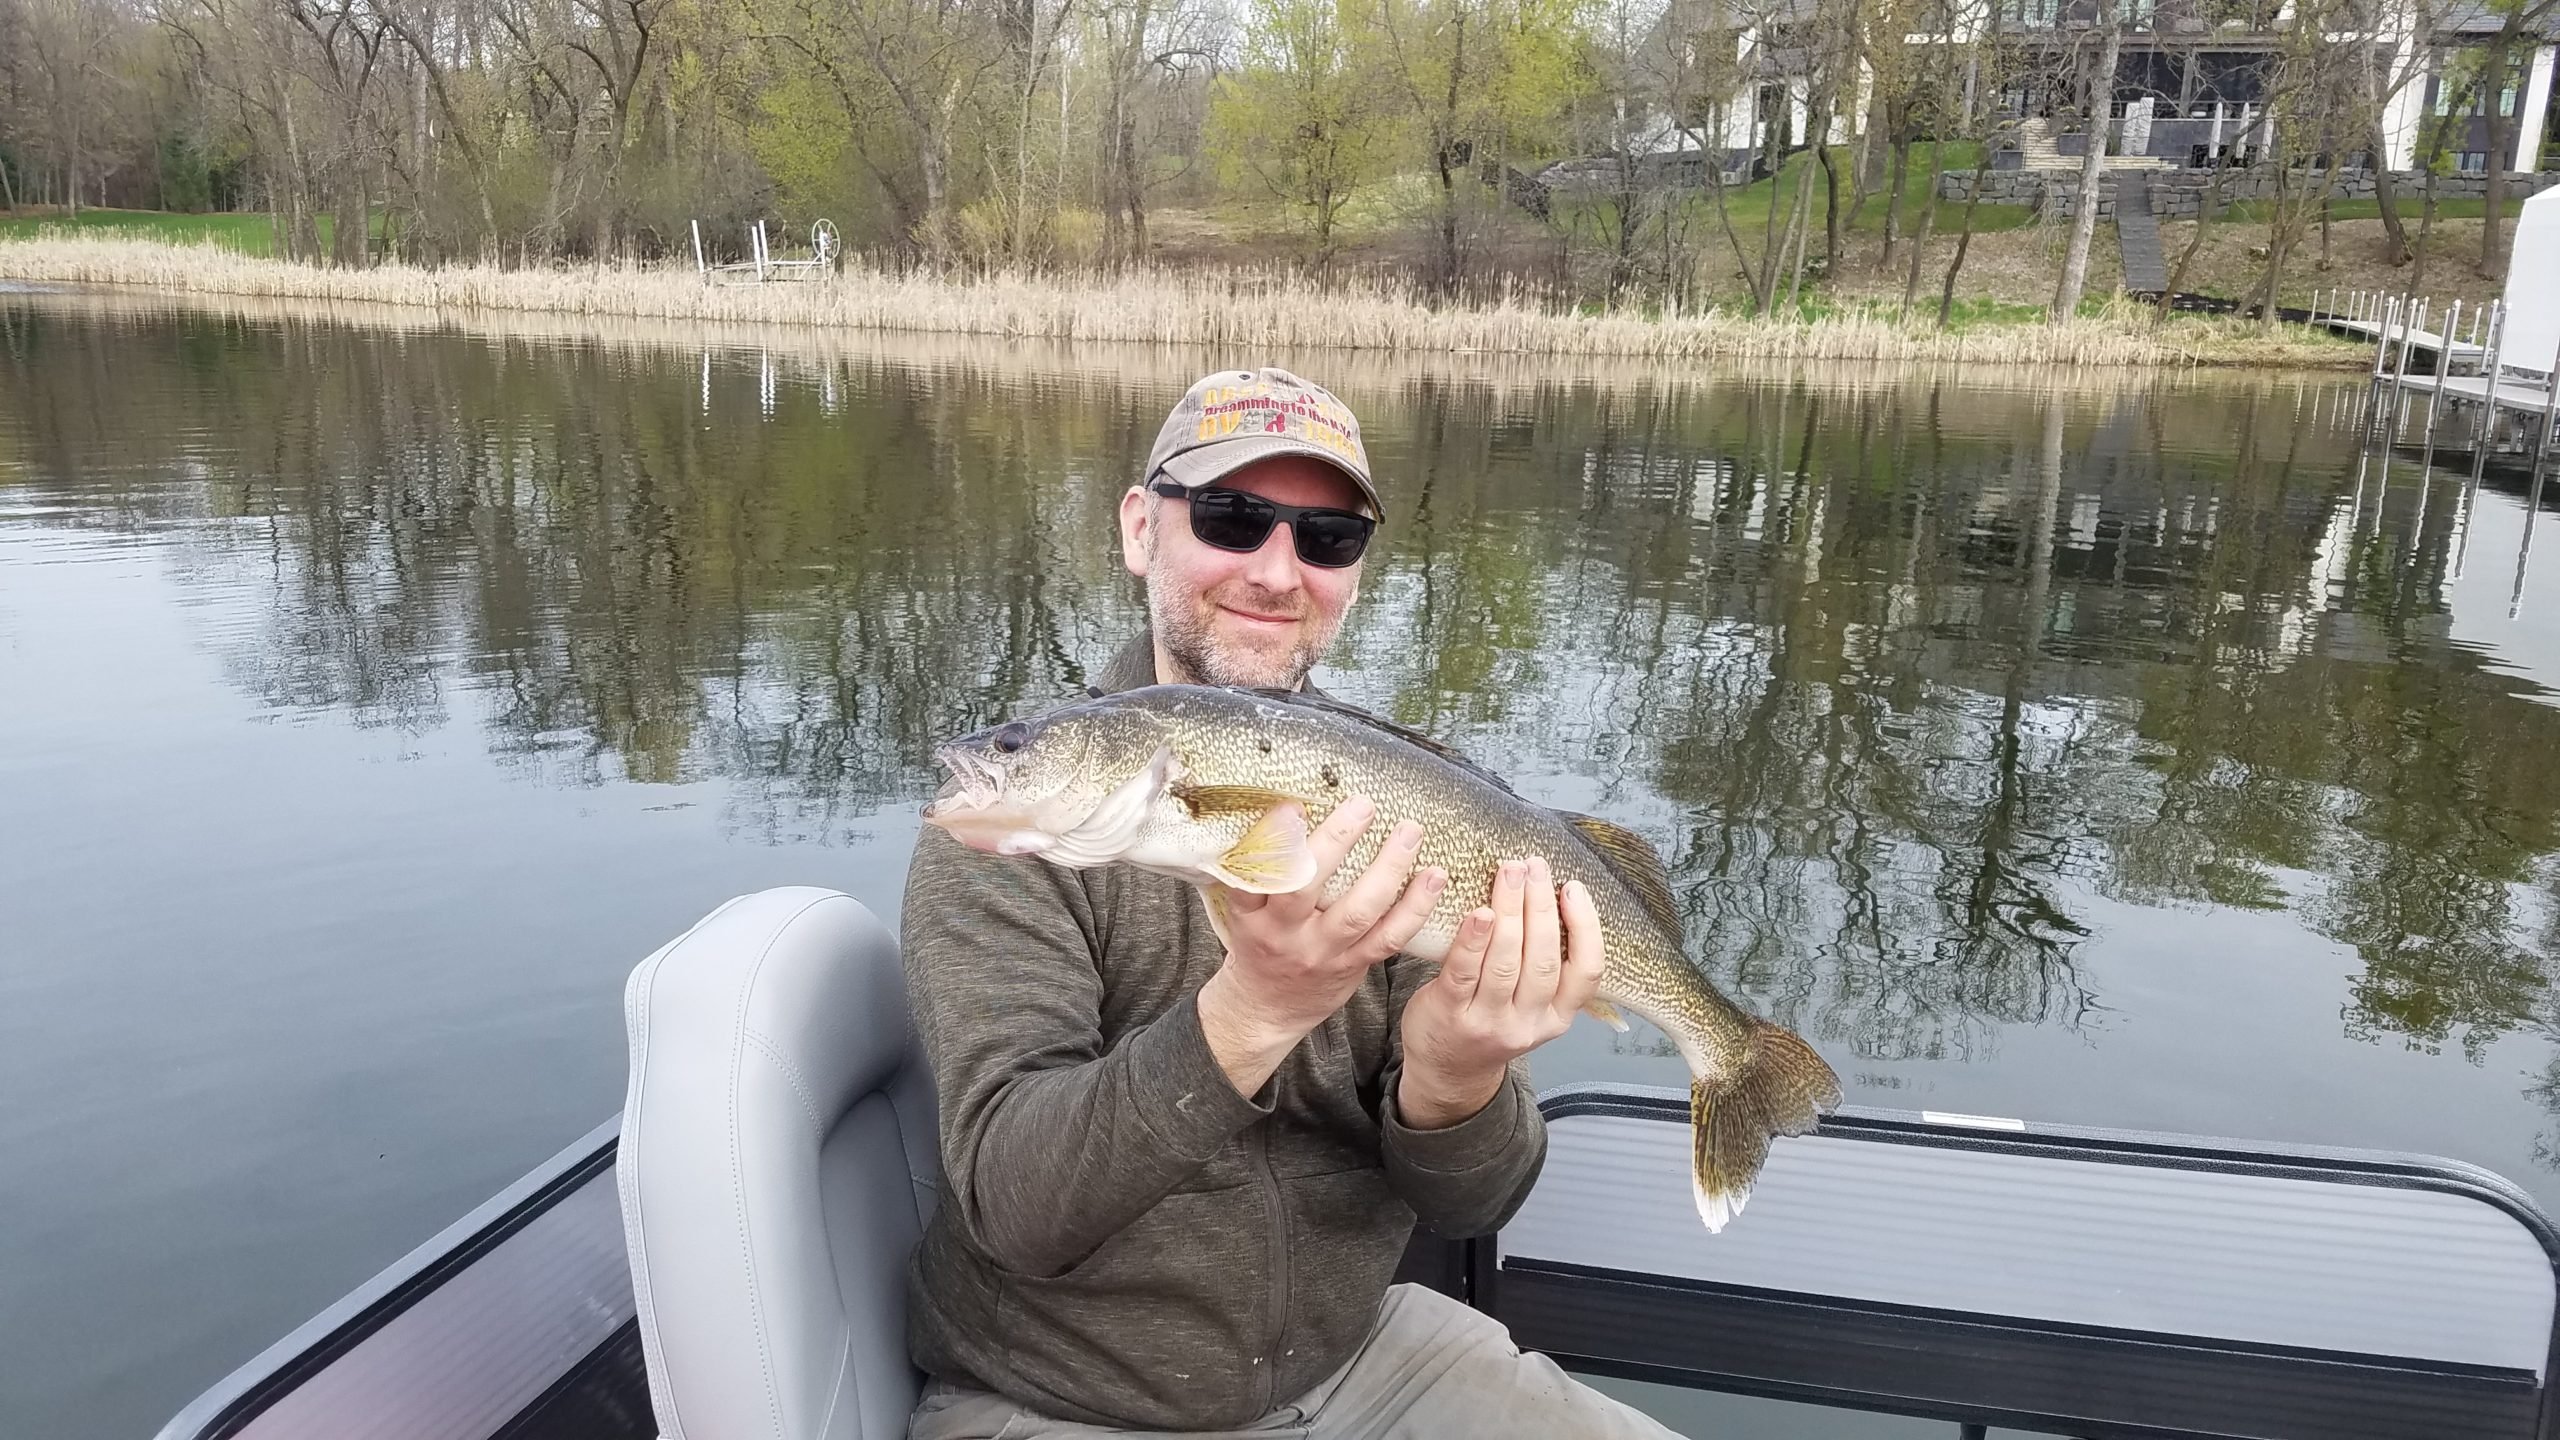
(1781, 1088)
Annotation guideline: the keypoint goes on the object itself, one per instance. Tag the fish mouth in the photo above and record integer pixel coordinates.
(976, 782)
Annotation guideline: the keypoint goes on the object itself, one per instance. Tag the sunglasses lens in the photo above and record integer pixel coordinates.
(1235, 520)
(1231, 519)
(1332, 540)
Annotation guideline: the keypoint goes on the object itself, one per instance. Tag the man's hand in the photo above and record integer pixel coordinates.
(1514, 976)
(1291, 962)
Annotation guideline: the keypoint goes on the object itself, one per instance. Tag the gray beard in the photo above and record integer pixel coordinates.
(1196, 652)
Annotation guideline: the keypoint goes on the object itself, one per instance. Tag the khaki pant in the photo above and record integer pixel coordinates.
(1432, 1369)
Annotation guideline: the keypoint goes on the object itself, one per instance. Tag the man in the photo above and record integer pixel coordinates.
(1178, 1175)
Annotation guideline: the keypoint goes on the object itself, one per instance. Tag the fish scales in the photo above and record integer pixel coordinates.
(1196, 781)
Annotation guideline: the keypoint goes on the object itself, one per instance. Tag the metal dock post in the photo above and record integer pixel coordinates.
(2435, 392)
(2410, 320)
(2482, 430)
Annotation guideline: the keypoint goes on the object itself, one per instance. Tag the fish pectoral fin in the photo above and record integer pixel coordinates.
(1606, 1013)
(1272, 858)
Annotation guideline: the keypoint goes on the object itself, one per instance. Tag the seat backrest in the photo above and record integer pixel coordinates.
(777, 1165)
(2045, 1277)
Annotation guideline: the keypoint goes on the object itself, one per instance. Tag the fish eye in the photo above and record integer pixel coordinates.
(1012, 737)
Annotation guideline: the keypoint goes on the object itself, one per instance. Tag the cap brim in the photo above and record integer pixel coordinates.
(1209, 464)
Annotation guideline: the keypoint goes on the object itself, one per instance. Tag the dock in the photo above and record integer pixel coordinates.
(2498, 383)
(2372, 314)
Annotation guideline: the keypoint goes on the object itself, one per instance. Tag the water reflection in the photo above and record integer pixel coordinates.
(1904, 672)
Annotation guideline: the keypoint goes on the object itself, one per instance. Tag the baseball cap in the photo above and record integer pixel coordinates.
(1229, 420)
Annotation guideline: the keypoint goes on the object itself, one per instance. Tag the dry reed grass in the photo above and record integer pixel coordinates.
(1232, 311)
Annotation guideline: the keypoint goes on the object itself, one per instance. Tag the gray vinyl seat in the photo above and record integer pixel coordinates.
(777, 1164)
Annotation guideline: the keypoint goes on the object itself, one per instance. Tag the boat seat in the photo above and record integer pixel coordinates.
(777, 1166)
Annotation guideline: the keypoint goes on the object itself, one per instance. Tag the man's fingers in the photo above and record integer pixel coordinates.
(1404, 921)
(1541, 936)
(1463, 968)
(1585, 952)
(1329, 842)
(1369, 897)
(1501, 978)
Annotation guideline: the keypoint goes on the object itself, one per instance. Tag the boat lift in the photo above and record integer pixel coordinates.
(728, 1257)
(2500, 378)
(824, 246)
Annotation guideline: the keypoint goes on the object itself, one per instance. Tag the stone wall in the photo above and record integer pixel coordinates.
(2179, 194)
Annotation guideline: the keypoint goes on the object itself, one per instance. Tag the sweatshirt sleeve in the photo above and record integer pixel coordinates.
(1468, 1178)
(1050, 1144)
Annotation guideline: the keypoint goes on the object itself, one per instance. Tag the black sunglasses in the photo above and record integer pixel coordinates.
(1235, 520)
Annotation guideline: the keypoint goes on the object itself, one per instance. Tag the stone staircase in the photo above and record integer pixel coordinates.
(2035, 147)
(2036, 151)
(2146, 269)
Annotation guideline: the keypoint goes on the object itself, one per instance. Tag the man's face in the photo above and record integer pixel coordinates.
(1230, 619)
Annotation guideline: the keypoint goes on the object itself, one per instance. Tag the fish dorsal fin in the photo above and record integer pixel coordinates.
(1636, 864)
(1327, 705)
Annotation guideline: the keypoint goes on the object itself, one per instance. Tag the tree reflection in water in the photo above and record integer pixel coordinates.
(1904, 672)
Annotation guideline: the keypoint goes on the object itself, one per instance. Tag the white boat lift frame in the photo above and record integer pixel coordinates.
(824, 246)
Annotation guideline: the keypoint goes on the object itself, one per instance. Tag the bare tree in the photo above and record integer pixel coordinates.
(2097, 91)
(2518, 34)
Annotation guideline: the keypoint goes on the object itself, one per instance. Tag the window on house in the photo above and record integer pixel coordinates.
(2507, 101)
(2472, 162)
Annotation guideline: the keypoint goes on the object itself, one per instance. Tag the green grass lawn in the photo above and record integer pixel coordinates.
(249, 233)
(1748, 205)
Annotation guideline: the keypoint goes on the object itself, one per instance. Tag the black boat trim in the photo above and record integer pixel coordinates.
(569, 1407)
(248, 1391)
(1990, 1370)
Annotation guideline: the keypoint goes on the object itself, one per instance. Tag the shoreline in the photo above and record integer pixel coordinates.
(1225, 310)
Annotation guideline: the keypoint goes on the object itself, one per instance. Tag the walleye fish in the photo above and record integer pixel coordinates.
(1194, 782)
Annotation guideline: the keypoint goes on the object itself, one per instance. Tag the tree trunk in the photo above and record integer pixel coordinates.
(72, 153)
(1724, 216)
(1964, 237)
(2195, 242)
(1021, 246)
(1818, 123)
(1928, 223)
(2426, 231)
(1444, 158)
(1830, 210)
(2386, 197)
(1447, 261)
(2084, 222)
(929, 157)
(2502, 141)
(1764, 290)
(1893, 198)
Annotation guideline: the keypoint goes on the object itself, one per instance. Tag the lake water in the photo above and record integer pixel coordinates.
(2117, 752)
